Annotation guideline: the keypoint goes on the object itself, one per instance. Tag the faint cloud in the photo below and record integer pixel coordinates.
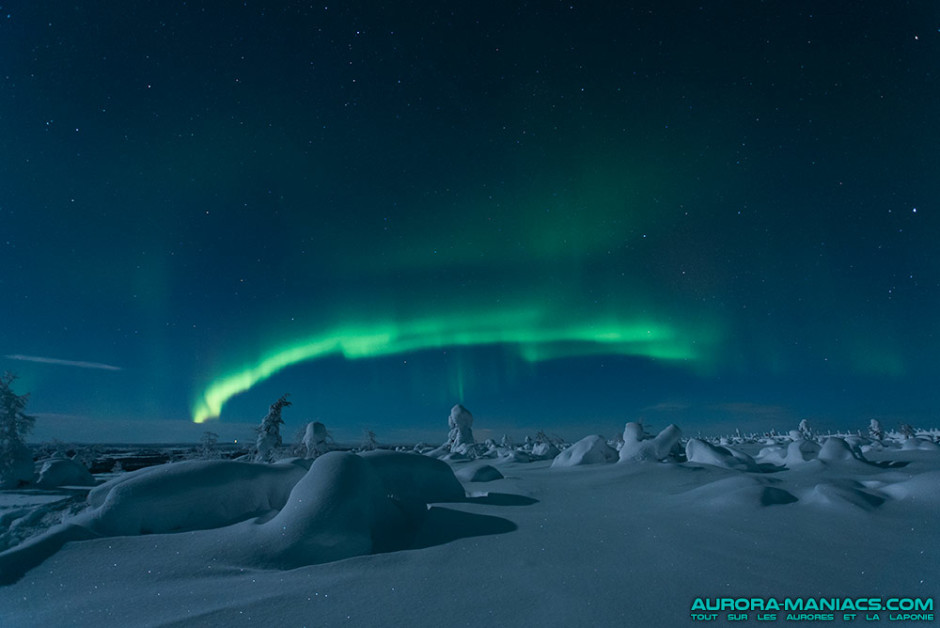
(756, 410)
(56, 361)
(667, 406)
(59, 416)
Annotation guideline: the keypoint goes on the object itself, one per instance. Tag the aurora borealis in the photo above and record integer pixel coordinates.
(564, 215)
(535, 337)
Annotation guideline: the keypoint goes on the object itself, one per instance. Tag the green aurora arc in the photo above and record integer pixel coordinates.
(528, 333)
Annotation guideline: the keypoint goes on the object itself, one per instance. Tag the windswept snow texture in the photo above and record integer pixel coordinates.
(388, 538)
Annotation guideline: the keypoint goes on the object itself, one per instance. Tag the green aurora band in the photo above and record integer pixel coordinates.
(533, 338)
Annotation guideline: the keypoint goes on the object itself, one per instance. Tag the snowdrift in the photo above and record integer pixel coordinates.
(342, 505)
(361, 539)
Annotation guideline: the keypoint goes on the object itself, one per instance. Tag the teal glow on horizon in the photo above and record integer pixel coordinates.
(532, 338)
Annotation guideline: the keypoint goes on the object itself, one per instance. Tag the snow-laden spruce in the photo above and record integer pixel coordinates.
(316, 440)
(16, 460)
(269, 432)
(460, 437)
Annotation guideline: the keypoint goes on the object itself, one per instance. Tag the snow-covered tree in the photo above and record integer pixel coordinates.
(906, 430)
(208, 445)
(805, 430)
(16, 460)
(875, 430)
(269, 432)
(369, 442)
(460, 422)
(316, 440)
(87, 455)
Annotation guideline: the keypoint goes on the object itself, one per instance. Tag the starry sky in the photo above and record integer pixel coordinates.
(564, 215)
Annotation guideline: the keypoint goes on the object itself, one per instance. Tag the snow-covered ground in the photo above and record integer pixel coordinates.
(622, 539)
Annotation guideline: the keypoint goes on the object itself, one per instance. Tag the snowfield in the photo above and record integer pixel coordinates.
(589, 537)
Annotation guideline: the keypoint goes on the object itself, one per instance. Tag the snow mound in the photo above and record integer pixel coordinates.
(515, 455)
(919, 444)
(262, 515)
(190, 495)
(412, 477)
(739, 491)
(637, 447)
(798, 452)
(702, 452)
(801, 450)
(845, 493)
(836, 449)
(589, 450)
(484, 473)
(920, 488)
(64, 472)
(337, 510)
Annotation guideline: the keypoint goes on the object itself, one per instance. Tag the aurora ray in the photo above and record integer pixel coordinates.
(530, 334)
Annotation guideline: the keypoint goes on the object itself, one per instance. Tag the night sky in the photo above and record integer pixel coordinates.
(563, 215)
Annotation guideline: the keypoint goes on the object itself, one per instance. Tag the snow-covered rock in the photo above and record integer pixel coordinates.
(64, 472)
(589, 450)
